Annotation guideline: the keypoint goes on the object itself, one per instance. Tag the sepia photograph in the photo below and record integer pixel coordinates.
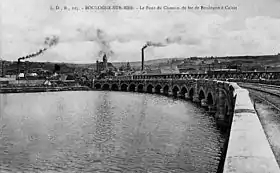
(139, 86)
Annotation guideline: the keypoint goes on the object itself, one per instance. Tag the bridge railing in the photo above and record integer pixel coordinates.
(261, 81)
(248, 148)
(148, 79)
(259, 77)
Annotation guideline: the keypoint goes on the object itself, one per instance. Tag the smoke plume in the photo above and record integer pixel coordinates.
(149, 43)
(183, 40)
(104, 43)
(153, 44)
(173, 39)
(101, 38)
(49, 41)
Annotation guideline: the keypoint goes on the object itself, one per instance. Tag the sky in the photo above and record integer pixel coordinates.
(250, 28)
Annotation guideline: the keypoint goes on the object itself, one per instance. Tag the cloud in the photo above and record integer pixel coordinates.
(84, 36)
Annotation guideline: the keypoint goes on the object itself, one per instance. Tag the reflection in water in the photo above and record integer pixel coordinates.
(105, 132)
(3, 103)
(104, 128)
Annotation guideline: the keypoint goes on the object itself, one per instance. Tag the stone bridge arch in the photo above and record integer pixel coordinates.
(115, 87)
(158, 88)
(140, 87)
(175, 90)
(201, 94)
(184, 91)
(106, 86)
(124, 87)
(165, 89)
(191, 93)
(132, 87)
(97, 86)
(210, 99)
(149, 88)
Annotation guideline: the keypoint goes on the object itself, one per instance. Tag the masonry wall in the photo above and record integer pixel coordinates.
(248, 148)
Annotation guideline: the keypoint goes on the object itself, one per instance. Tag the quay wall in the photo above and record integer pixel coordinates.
(42, 89)
(17, 86)
(248, 148)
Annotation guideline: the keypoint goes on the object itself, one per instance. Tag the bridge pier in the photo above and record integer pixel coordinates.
(196, 99)
(182, 95)
(187, 96)
(161, 91)
(220, 114)
(178, 94)
(170, 93)
(230, 114)
(211, 109)
(153, 90)
(204, 103)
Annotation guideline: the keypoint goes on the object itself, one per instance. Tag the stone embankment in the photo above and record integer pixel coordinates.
(248, 148)
(25, 86)
(42, 89)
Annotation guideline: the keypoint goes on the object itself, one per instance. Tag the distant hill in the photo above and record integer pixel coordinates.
(152, 63)
(268, 60)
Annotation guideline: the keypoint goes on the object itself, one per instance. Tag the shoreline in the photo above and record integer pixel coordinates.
(29, 89)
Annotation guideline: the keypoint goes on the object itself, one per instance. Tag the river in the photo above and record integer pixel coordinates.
(100, 131)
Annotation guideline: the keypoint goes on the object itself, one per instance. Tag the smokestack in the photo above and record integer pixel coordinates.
(49, 41)
(105, 62)
(18, 65)
(142, 59)
(149, 43)
(3, 74)
(97, 66)
(143, 48)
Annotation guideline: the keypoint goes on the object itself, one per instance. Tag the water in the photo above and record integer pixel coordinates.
(98, 131)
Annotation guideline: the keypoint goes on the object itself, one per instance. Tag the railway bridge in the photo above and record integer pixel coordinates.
(216, 96)
(229, 103)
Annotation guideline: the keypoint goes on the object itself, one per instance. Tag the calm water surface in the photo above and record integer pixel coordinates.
(100, 131)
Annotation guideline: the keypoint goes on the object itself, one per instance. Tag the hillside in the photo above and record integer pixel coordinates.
(267, 60)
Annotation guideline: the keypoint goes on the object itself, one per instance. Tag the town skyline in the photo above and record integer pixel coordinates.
(251, 29)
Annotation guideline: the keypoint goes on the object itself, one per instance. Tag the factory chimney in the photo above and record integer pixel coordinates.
(105, 62)
(143, 57)
(97, 66)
